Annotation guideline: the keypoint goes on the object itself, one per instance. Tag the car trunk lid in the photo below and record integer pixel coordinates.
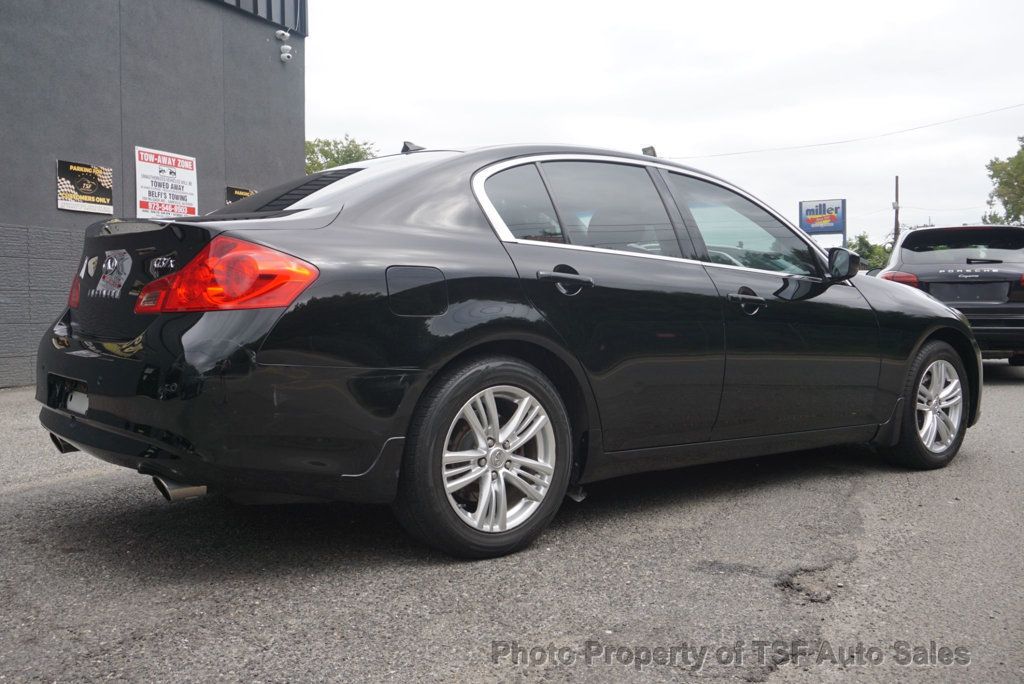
(972, 286)
(119, 258)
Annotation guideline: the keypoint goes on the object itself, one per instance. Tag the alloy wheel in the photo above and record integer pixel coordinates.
(499, 459)
(940, 404)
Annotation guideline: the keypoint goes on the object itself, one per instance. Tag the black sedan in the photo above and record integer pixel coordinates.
(471, 336)
(979, 270)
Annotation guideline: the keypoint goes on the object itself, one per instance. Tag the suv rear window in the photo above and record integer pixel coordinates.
(964, 245)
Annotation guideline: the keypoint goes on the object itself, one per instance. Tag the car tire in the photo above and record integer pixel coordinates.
(912, 451)
(441, 430)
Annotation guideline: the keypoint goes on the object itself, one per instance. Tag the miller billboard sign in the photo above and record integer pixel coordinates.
(823, 217)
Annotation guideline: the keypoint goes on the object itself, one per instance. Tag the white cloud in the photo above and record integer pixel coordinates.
(693, 79)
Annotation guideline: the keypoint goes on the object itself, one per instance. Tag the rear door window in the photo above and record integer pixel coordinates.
(610, 206)
(519, 196)
(968, 245)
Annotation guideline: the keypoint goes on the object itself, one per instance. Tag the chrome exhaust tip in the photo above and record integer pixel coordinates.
(176, 491)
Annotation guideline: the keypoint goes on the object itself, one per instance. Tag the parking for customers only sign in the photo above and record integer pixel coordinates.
(165, 184)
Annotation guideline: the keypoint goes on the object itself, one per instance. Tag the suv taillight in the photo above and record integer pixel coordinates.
(229, 274)
(900, 277)
(76, 292)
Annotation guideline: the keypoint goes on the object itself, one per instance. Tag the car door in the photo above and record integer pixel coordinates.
(606, 270)
(801, 353)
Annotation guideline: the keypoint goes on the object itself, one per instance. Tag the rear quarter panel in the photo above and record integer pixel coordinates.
(359, 363)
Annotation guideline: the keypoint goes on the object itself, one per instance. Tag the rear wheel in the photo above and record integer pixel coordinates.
(935, 409)
(487, 459)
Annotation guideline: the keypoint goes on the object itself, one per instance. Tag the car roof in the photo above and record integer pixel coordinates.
(530, 149)
(490, 153)
(427, 161)
(910, 231)
(329, 190)
(966, 225)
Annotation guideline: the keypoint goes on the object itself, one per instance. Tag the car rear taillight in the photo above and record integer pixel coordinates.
(900, 277)
(229, 274)
(76, 292)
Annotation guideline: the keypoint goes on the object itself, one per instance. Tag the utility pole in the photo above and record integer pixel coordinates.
(896, 211)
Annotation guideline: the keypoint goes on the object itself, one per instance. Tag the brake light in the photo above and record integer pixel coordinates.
(76, 292)
(900, 277)
(229, 274)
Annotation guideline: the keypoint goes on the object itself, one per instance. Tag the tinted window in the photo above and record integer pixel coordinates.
(612, 206)
(333, 188)
(963, 246)
(523, 204)
(739, 233)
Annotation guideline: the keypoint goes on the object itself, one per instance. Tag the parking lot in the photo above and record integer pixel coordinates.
(825, 552)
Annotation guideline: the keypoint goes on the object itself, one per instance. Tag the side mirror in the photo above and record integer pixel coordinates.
(842, 264)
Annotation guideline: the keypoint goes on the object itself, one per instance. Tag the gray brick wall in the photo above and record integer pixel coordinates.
(17, 353)
(87, 81)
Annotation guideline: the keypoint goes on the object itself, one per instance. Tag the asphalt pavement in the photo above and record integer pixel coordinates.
(811, 566)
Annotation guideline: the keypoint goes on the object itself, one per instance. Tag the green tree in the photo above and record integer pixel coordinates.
(324, 153)
(871, 255)
(1008, 188)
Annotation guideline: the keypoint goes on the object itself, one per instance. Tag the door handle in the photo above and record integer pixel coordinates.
(749, 302)
(570, 278)
(746, 299)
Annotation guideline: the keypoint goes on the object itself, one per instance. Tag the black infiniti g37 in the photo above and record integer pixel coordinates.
(471, 336)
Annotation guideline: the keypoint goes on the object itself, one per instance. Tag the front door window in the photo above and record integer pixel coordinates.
(737, 232)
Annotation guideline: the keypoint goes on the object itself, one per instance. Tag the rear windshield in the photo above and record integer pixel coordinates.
(284, 196)
(964, 246)
(327, 188)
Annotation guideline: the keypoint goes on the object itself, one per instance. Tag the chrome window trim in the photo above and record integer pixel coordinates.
(785, 274)
(601, 250)
(505, 235)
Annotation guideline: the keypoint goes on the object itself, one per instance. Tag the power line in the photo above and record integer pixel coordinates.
(852, 140)
(941, 210)
(936, 211)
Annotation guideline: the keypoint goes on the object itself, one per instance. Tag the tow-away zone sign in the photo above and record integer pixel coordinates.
(165, 184)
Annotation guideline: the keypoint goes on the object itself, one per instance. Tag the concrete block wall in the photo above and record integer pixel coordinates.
(89, 80)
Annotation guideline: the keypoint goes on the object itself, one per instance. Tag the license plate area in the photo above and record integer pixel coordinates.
(67, 394)
(994, 293)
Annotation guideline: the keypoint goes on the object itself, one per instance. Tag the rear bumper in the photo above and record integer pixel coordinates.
(208, 413)
(998, 328)
(999, 338)
(377, 484)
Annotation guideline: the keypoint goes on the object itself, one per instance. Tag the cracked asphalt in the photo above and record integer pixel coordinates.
(826, 552)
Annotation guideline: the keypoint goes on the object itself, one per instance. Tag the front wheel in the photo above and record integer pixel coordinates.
(935, 409)
(487, 459)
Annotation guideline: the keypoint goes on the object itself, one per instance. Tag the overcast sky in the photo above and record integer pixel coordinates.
(694, 79)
